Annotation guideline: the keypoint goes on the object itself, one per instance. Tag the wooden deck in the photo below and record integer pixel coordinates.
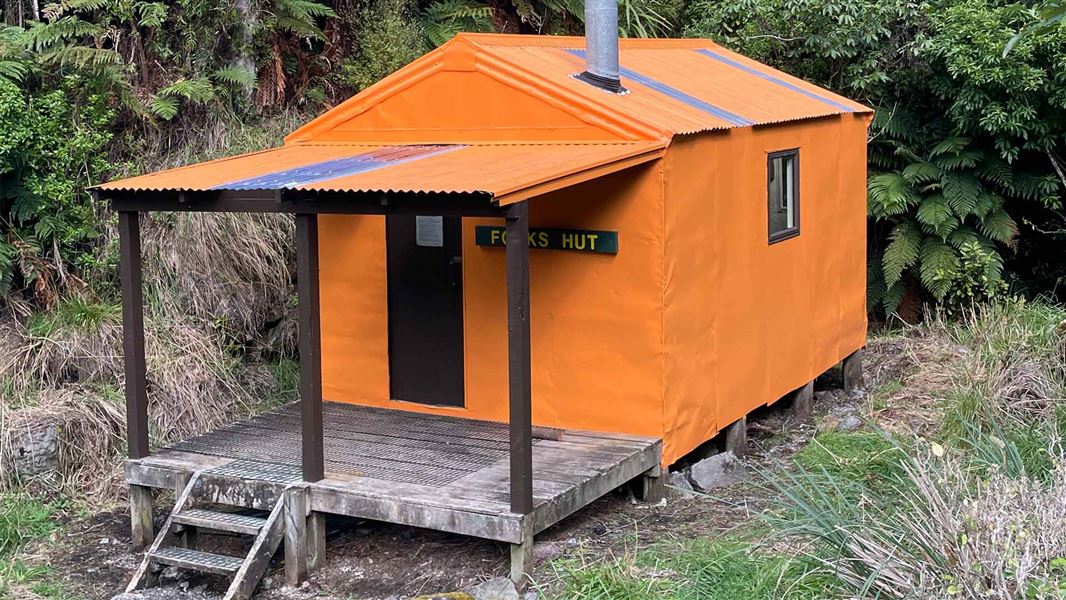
(437, 472)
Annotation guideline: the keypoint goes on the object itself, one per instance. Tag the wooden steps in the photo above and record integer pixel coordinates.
(175, 544)
(186, 558)
(221, 521)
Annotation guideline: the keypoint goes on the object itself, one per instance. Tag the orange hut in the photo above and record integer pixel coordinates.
(695, 238)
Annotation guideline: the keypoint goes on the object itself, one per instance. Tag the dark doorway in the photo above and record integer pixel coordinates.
(425, 271)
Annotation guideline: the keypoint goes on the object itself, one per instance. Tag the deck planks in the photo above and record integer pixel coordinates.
(434, 471)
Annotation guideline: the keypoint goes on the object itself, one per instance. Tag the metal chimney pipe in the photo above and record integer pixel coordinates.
(601, 41)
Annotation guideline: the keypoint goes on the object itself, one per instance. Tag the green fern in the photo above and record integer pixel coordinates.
(962, 192)
(299, 17)
(904, 244)
(234, 76)
(890, 194)
(938, 266)
(937, 216)
(442, 19)
(1000, 227)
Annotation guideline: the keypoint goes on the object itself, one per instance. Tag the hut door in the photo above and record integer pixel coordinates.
(425, 279)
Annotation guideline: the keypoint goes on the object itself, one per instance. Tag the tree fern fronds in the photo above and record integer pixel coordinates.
(962, 191)
(905, 242)
(164, 107)
(442, 19)
(235, 76)
(921, 172)
(951, 145)
(937, 216)
(937, 267)
(13, 70)
(890, 194)
(999, 226)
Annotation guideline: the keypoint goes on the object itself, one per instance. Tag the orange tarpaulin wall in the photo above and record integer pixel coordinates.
(695, 322)
(596, 319)
(747, 322)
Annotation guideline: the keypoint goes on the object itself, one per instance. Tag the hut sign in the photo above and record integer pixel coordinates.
(578, 240)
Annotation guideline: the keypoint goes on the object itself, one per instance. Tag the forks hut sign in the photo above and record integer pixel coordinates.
(578, 240)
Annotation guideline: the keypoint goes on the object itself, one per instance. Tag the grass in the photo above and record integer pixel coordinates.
(23, 519)
(861, 457)
(968, 506)
(72, 313)
(721, 569)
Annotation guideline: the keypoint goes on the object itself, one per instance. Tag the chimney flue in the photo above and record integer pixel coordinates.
(601, 45)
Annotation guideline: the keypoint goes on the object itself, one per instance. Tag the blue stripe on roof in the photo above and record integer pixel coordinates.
(771, 78)
(333, 169)
(676, 94)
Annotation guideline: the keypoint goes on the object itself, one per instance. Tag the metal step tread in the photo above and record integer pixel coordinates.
(220, 521)
(218, 564)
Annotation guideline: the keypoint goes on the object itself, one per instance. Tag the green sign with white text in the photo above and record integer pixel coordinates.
(576, 240)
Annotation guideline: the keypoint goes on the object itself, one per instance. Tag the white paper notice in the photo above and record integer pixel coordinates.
(429, 231)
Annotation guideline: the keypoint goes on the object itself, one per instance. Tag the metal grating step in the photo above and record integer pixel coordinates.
(259, 470)
(220, 521)
(197, 561)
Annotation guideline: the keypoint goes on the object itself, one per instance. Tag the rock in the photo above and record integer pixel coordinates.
(171, 574)
(717, 471)
(680, 481)
(31, 444)
(849, 423)
(499, 588)
(546, 550)
(857, 395)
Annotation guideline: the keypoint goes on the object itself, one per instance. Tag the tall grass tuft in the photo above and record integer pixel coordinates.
(977, 512)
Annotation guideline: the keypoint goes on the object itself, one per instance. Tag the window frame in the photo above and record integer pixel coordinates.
(790, 232)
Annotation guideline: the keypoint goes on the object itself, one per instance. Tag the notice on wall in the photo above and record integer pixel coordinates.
(576, 240)
(429, 232)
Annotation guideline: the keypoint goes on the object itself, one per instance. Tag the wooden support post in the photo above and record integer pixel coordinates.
(736, 437)
(852, 367)
(296, 535)
(802, 401)
(129, 236)
(131, 282)
(316, 540)
(650, 487)
(309, 331)
(141, 527)
(518, 360)
(187, 534)
(522, 554)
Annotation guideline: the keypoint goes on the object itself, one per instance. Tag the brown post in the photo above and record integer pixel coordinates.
(310, 345)
(309, 331)
(852, 368)
(131, 282)
(736, 437)
(518, 359)
(129, 236)
(802, 401)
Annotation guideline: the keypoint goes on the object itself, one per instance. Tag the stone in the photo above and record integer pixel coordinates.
(718, 471)
(32, 445)
(546, 550)
(849, 423)
(680, 481)
(498, 588)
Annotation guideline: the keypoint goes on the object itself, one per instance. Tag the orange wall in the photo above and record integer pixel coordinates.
(746, 322)
(696, 321)
(596, 320)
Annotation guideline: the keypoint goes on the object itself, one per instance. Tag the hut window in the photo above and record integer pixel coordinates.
(782, 176)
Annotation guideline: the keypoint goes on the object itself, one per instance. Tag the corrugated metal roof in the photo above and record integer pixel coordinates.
(679, 86)
(508, 172)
